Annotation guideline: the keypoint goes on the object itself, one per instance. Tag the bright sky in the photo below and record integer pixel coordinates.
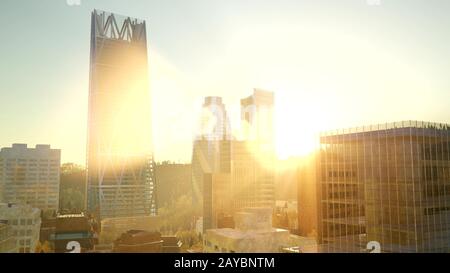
(331, 64)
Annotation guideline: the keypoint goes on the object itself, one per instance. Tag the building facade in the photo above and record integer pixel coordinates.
(7, 240)
(253, 234)
(30, 176)
(24, 222)
(388, 183)
(120, 175)
(73, 227)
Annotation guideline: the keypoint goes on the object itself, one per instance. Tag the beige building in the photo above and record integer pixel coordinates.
(25, 224)
(30, 176)
(7, 240)
(253, 234)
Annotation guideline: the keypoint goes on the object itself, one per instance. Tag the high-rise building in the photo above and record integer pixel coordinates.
(30, 176)
(211, 161)
(388, 183)
(120, 177)
(253, 159)
(252, 175)
(257, 119)
(25, 222)
(230, 174)
(215, 124)
(307, 196)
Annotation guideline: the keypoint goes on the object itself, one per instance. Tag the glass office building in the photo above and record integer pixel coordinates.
(388, 183)
(119, 152)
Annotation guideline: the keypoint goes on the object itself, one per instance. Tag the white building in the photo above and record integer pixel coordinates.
(253, 234)
(24, 222)
(30, 176)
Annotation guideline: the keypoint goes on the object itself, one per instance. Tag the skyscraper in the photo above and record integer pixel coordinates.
(231, 174)
(388, 183)
(120, 180)
(211, 161)
(30, 176)
(253, 159)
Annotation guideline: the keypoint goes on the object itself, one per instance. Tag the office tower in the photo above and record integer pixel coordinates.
(388, 183)
(25, 223)
(120, 180)
(253, 159)
(252, 177)
(30, 176)
(217, 203)
(229, 174)
(215, 124)
(257, 119)
(307, 196)
(211, 161)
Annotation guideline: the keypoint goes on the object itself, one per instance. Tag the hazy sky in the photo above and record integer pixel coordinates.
(331, 64)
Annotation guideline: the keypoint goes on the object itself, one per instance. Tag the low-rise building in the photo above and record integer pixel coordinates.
(73, 228)
(25, 223)
(113, 228)
(253, 233)
(7, 240)
(140, 241)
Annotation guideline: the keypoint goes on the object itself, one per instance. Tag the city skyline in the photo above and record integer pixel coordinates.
(297, 49)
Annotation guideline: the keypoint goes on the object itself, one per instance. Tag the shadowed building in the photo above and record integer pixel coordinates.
(139, 241)
(73, 227)
(120, 180)
(388, 183)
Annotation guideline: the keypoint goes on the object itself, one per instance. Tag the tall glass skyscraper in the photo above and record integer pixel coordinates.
(120, 180)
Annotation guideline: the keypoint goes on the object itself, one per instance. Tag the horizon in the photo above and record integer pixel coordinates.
(332, 66)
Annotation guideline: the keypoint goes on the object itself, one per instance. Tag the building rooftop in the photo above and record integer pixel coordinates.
(239, 234)
(395, 129)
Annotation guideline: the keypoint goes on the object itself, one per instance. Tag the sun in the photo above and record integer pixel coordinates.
(296, 129)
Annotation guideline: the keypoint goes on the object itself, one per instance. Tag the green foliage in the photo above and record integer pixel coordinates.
(71, 200)
(189, 238)
(72, 187)
(178, 216)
